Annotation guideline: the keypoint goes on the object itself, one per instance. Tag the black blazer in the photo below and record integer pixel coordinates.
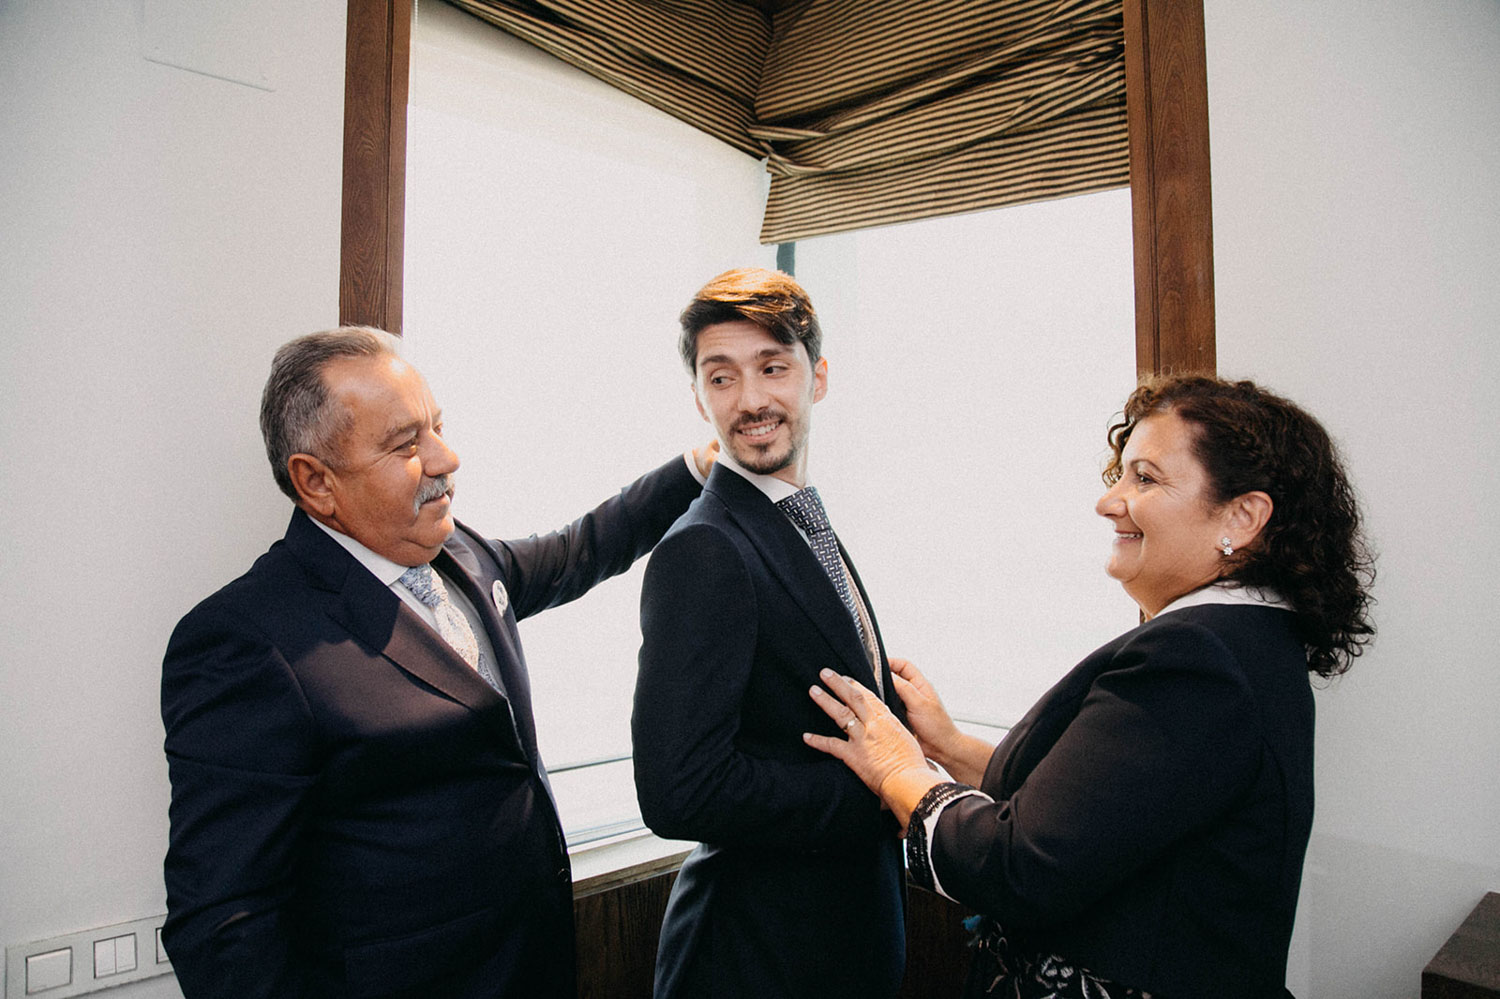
(1152, 810)
(355, 812)
(796, 888)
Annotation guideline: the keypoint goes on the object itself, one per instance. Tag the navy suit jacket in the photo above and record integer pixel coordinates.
(797, 886)
(355, 812)
(1152, 810)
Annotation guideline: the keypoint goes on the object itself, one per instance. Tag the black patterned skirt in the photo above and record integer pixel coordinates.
(1003, 970)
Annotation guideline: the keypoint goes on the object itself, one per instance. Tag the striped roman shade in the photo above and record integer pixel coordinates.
(868, 112)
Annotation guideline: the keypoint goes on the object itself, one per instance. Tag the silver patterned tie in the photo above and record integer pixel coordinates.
(805, 509)
(427, 586)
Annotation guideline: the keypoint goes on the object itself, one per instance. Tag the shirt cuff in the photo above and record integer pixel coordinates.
(923, 826)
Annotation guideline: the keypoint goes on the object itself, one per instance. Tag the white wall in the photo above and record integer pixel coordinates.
(1356, 246)
(163, 231)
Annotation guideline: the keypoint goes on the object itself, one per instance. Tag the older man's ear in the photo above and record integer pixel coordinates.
(313, 481)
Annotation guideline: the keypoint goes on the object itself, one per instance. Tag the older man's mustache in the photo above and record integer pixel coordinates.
(431, 490)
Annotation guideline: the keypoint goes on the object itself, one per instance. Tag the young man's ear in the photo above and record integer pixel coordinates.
(820, 379)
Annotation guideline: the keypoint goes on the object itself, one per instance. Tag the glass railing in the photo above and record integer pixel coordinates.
(596, 799)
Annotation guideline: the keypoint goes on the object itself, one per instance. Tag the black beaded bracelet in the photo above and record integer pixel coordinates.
(917, 858)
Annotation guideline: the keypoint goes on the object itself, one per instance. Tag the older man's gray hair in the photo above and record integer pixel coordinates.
(297, 413)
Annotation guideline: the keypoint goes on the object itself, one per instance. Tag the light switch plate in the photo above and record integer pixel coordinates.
(126, 943)
(48, 971)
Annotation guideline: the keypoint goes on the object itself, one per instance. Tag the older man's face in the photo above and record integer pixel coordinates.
(391, 489)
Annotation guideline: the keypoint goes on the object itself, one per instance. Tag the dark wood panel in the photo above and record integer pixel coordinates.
(619, 916)
(1166, 83)
(1468, 965)
(937, 949)
(377, 62)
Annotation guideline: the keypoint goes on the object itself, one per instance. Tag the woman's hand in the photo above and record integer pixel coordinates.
(879, 750)
(963, 756)
(925, 713)
(705, 456)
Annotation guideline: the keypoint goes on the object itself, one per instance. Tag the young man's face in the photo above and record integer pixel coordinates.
(758, 394)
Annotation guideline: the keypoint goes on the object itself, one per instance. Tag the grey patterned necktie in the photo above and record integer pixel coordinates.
(805, 509)
(427, 586)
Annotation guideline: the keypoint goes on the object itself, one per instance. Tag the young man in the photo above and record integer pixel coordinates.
(796, 888)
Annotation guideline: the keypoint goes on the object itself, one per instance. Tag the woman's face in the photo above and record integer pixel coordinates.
(1167, 529)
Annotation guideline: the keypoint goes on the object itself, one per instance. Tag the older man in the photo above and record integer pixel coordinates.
(358, 806)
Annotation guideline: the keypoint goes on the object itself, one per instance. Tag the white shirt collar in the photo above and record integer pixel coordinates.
(389, 573)
(774, 488)
(383, 568)
(1228, 593)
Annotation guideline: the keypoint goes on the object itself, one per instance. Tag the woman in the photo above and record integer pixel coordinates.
(1141, 831)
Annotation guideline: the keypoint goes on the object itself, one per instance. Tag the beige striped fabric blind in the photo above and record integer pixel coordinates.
(867, 112)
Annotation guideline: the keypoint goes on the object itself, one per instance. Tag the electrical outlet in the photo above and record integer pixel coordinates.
(87, 961)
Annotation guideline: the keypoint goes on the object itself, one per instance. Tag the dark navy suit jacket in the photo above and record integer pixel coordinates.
(1153, 809)
(797, 886)
(355, 812)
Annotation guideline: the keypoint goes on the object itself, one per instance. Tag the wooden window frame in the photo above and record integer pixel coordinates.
(1167, 116)
(1166, 81)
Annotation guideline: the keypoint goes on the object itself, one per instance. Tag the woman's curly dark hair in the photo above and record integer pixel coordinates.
(1311, 551)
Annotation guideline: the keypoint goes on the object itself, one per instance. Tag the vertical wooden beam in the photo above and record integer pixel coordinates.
(377, 60)
(1166, 89)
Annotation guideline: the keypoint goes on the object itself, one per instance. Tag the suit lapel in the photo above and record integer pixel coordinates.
(368, 609)
(793, 563)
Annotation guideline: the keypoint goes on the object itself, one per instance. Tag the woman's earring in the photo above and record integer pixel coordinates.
(1226, 546)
